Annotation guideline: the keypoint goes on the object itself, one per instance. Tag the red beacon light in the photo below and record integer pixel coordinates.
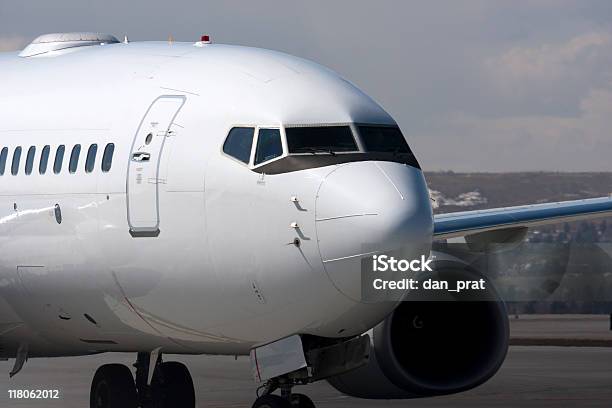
(205, 39)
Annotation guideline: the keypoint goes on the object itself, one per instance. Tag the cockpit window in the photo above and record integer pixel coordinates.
(320, 139)
(383, 139)
(239, 142)
(269, 145)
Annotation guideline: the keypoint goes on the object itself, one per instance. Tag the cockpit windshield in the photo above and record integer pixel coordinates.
(264, 150)
(321, 139)
(383, 139)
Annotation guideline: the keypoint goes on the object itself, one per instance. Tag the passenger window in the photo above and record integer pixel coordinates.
(107, 158)
(16, 159)
(3, 157)
(30, 160)
(239, 142)
(44, 159)
(90, 162)
(74, 158)
(59, 158)
(269, 145)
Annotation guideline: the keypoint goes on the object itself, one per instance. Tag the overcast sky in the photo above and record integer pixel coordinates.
(474, 85)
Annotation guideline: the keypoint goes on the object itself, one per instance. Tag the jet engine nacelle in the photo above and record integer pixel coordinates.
(434, 347)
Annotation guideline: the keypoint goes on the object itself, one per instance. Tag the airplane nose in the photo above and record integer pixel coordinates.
(371, 207)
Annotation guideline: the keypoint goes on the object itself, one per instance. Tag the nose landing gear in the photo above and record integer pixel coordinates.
(301, 401)
(276, 401)
(113, 385)
(312, 359)
(271, 401)
(286, 400)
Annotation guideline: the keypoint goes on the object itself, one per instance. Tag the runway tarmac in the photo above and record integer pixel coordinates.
(532, 376)
(578, 328)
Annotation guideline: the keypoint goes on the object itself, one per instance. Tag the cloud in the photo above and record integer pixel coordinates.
(551, 62)
(12, 43)
(549, 108)
(553, 72)
(531, 142)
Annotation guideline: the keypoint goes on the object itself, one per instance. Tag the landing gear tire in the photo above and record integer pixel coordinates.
(301, 401)
(172, 386)
(271, 401)
(113, 387)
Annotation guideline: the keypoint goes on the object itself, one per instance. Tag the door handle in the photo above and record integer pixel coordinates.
(141, 156)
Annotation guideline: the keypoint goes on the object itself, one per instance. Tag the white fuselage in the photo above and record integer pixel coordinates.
(210, 265)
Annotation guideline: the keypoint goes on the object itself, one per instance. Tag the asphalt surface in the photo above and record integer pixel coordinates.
(561, 330)
(532, 376)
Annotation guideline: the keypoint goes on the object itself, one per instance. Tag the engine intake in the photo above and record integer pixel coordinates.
(427, 348)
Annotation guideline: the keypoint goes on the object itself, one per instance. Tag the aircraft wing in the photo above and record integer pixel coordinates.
(472, 222)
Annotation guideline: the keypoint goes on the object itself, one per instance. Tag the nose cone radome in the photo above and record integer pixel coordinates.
(371, 207)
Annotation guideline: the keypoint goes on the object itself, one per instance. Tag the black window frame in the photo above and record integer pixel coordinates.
(256, 161)
(75, 154)
(369, 148)
(107, 157)
(59, 159)
(3, 159)
(16, 161)
(44, 159)
(234, 132)
(297, 143)
(90, 160)
(29, 166)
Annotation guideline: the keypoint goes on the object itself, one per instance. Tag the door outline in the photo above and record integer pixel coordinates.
(150, 231)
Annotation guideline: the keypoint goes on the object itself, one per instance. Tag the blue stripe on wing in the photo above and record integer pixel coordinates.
(466, 222)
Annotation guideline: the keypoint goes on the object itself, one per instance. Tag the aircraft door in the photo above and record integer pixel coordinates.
(143, 170)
